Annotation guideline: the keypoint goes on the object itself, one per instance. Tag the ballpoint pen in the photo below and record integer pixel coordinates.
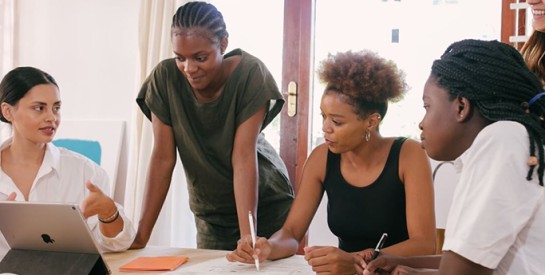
(380, 244)
(252, 231)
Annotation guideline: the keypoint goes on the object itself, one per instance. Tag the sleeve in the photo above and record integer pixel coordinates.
(260, 89)
(493, 200)
(152, 97)
(124, 239)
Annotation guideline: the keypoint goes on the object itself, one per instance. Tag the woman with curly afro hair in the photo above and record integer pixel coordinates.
(374, 184)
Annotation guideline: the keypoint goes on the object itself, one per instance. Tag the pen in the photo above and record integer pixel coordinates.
(380, 244)
(252, 231)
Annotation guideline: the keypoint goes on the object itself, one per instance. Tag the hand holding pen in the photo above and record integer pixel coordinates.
(361, 265)
(248, 251)
(252, 231)
(379, 246)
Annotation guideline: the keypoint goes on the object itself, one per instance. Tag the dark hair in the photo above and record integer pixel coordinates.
(200, 14)
(19, 81)
(533, 52)
(494, 77)
(366, 80)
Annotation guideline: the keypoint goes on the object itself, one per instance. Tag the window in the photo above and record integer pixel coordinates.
(394, 31)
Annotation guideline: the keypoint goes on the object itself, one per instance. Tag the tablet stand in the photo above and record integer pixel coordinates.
(30, 262)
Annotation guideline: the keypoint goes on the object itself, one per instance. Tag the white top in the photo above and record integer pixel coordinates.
(497, 217)
(61, 178)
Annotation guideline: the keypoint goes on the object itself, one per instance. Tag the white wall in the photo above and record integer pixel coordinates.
(91, 49)
(445, 181)
(319, 232)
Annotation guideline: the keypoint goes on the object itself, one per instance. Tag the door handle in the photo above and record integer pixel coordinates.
(292, 99)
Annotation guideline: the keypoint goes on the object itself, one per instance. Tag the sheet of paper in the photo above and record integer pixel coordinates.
(290, 266)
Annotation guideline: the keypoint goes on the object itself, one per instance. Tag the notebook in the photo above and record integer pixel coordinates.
(51, 227)
(156, 263)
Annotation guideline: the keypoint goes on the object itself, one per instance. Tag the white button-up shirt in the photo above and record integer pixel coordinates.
(61, 179)
(497, 217)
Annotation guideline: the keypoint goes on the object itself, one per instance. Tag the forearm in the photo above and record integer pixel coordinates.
(425, 262)
(412, 247)
(111, 230)
(157, 185)
(283, 244)
(119, 239)
(245, 184)
(110, 222)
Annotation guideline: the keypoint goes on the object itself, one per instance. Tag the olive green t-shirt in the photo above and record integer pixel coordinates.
(205, 133)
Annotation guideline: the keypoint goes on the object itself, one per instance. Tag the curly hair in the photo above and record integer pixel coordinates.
(366, 80)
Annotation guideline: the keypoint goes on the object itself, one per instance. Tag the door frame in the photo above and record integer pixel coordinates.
(296, 67)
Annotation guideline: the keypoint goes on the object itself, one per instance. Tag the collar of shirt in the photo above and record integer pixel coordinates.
(50, 164)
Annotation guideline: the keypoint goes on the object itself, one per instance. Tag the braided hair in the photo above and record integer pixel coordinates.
(200, 15)
(494, 77)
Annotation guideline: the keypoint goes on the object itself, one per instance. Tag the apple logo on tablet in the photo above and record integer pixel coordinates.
(47, 238)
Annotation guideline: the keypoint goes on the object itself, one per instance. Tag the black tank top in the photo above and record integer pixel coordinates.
(359, 215)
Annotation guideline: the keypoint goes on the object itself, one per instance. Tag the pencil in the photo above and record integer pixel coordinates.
(252, 231)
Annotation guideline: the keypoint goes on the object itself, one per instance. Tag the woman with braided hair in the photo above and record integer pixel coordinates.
(485, 110)
(211, 106)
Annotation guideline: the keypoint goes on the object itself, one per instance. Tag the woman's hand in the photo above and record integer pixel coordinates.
(361, 259)
(383, 263)
(97, 203)
(10, 197)
(140, 241)
(366, 254)
(246, 254)
(330, 260)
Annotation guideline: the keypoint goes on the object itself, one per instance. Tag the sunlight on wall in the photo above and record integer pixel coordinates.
(258, 30)
(425, 29)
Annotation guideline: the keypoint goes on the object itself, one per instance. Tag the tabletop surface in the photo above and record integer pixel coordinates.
(202, 261)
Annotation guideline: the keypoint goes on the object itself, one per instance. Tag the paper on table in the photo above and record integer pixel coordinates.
(294, 265)
(157, 263)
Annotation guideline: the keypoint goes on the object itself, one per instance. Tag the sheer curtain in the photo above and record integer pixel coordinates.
(176, 225)
(7, 42)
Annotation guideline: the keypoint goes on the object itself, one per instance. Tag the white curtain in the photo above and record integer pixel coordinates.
(176, 225)
(7, 42)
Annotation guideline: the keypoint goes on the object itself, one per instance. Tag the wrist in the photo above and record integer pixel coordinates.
(111, 218)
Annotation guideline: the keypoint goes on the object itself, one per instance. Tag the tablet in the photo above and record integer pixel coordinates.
(48, 237)
(46, 226)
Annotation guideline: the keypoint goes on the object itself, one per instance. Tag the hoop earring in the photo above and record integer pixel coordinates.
(367, 135)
